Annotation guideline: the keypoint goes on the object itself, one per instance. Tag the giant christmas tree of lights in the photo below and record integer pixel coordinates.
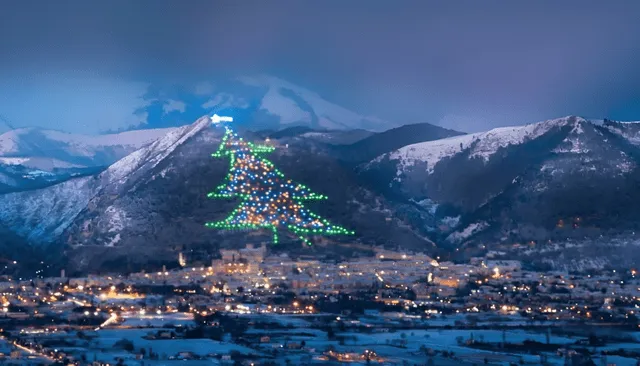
(268, 199)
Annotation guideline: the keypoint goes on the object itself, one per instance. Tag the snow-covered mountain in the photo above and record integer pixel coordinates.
(538, 184)
(295, 105)
(482, 145)
(258, 102)
(75, 149)
(42, 215)
(584, 141)
(521, 183)
(149, 204)
(32, 158)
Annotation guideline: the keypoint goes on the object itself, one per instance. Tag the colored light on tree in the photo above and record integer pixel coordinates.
(268, 199)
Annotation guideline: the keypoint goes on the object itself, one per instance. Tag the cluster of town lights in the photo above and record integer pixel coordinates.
(269, 200)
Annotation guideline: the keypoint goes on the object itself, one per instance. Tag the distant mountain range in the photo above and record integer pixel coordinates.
(259, 102)
(544, 192)
(279, 104)
(33, 158)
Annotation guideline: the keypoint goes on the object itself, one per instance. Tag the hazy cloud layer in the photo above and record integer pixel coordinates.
(74, 103)
(465, 64)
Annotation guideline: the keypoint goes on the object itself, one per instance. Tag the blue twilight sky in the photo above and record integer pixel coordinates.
(95, 66)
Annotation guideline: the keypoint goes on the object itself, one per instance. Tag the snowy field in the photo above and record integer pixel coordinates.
(170, 347)
(436, 339)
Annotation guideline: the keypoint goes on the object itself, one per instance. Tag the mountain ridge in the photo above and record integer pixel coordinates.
(539, 183)
(506, 185)
(33, 158)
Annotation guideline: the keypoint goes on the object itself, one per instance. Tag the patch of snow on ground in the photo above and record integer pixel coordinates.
(117, 218)
(164, 172)
(472, 229)
(578, 129)
(114, 241)
(108, 337)
(450, 221)
(322, 135)
(540, 187)
(577, 146)
(625, 166)
(550, 169)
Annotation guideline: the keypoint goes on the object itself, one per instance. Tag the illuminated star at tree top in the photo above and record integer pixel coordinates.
(215, 119)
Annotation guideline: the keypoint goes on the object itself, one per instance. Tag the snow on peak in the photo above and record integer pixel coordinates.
(329, 115)
(152, 154)
(286, 108)
(430, 152)
(10, 140)
(483, 145)
(135, 139)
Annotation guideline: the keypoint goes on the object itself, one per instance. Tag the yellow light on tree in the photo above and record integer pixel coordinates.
(268, 199)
